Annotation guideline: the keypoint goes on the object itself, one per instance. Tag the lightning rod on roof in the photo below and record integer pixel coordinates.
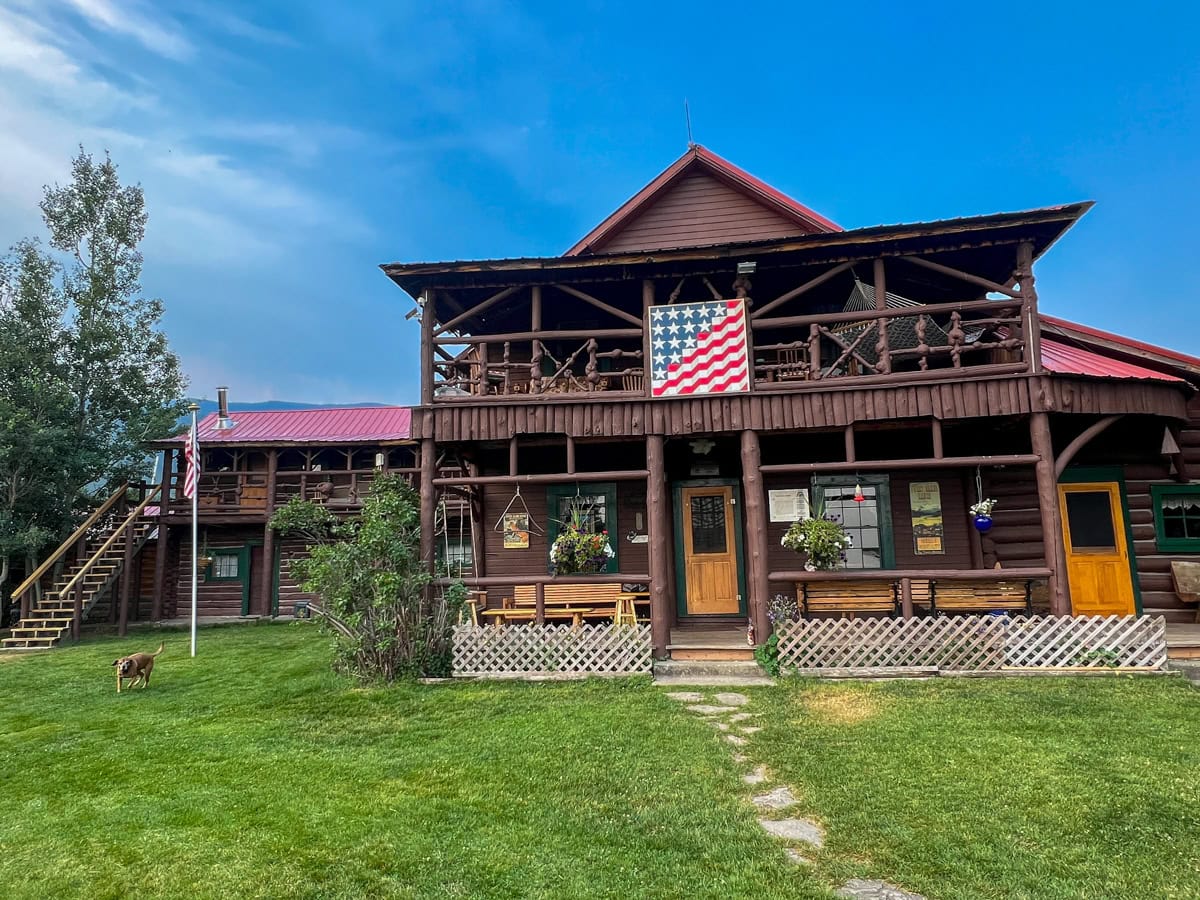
(687, 115)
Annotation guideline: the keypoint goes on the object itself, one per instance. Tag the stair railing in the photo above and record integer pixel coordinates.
(74, 587)
(25, 590)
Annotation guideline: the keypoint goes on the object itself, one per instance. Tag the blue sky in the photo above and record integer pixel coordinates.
(288, 148)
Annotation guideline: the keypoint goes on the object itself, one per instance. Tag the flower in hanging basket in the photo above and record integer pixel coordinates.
(822, 538)
(983, 508)
(577, 551)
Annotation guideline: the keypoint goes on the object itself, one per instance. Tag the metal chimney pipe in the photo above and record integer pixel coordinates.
(224, 423)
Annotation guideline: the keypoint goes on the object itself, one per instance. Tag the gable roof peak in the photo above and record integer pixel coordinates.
(699, 159)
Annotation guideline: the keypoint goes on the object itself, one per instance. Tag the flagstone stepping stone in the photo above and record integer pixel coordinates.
(732, 699)
(720, 726)
(779, 798)
(864, 889)
(706, 710)
(736, 740)
(758, 776)
(795, 857)
(750, 729)
(686, 696)
(795, 830)
(741, 717)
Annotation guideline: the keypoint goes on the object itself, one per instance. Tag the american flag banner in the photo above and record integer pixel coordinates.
(699, 348)
(191, 453)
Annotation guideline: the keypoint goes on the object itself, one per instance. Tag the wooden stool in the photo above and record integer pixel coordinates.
(625, 613)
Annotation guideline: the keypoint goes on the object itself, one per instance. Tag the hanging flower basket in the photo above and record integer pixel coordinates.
(981, 514)
(823, 539)
(577, 551)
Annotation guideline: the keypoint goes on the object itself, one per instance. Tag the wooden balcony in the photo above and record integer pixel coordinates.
(970, 339)
(246, 494)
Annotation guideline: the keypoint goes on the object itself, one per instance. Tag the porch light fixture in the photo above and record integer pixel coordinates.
(380, 460)
(746, 268)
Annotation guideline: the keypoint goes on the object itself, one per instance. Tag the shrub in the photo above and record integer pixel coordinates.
(373, 586)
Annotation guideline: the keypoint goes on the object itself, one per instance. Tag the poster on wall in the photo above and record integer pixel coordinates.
(926, 503)
(516, 531)
(788, 506)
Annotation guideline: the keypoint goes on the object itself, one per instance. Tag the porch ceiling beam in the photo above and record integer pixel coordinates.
(931, 309)
(897, 574)
(563, 478)
(873, 465)
(477, 309)
(796, 292)
(600, 304)
(964, 276)
(1081, 440)
(540, 336)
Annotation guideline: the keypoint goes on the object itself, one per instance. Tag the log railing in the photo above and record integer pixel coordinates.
(235, 493)
(894, 343)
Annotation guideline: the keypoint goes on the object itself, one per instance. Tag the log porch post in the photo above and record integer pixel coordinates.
(1029, 307)
(884, 352)
(428, 510)
(427, 329)
(267, 579)
(1047, 488)
(160, 548)
(126, 580)
(478, 507)
(756, 535)
(660, 543)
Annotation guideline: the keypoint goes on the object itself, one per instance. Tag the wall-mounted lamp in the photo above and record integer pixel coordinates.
(380, 460)
(746, 268)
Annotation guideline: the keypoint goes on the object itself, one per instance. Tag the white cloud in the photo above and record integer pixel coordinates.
(162, 37)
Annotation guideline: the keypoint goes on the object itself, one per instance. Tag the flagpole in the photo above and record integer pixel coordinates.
(193, 437)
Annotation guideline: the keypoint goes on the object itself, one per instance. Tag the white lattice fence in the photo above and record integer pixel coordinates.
(552, 649)
(974, 643)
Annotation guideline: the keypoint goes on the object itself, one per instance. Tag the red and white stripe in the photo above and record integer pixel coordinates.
(191, 453)
(719, 363)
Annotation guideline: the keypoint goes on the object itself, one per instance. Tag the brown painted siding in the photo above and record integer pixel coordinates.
(632, 558)
(793, 411)
(699, 210)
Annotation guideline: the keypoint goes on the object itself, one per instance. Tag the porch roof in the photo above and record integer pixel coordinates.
(1063, 359)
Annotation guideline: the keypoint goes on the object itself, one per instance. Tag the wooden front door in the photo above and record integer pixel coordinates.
(1097, 554)
(710, 552)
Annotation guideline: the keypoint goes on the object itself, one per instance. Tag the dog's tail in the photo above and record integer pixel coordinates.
(158, 651)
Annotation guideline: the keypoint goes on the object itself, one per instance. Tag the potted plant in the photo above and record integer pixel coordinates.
(579, 551)
(822, 538)
(981, 513)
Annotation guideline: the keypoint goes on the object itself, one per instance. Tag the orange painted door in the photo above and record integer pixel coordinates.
(710, 551)
(1097, 554)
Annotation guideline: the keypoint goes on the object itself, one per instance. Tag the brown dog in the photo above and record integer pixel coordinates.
(136, 667)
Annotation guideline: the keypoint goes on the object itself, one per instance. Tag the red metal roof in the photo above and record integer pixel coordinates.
(1067, 360)
(310, 426)
(1121, 340)
(739, 178)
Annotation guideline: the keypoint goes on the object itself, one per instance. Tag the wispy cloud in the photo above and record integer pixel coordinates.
(156, 33)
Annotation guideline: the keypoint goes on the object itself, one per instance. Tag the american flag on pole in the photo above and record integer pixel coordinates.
(191, 453)
(699, 348)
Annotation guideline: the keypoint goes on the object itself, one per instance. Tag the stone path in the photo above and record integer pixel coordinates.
(727, 712)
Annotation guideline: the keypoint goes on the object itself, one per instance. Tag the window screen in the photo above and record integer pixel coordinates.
(225, 565)
(861, 521)
(1089, 518)
(708, 524)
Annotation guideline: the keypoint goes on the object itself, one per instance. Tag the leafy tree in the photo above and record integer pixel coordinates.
(367, 572)
(86, 375)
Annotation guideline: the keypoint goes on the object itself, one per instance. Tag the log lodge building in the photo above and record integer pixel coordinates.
(709, 363)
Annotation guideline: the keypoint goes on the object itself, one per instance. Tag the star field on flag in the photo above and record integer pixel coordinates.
(699, 348)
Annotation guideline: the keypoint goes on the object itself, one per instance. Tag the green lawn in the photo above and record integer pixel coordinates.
(255, 771)
(1022, 787)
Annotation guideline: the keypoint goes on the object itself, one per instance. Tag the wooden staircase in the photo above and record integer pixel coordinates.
(92, 560)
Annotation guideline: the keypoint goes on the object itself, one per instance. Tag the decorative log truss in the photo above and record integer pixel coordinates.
(996, 325)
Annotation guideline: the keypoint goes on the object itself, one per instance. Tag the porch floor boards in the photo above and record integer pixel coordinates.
(1183, 640)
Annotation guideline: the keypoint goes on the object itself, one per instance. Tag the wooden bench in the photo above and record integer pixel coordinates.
(980, 595)
(867, 596)
(568, 601)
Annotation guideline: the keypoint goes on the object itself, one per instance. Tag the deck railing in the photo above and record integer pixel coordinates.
(237, 493)
(969, 338)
